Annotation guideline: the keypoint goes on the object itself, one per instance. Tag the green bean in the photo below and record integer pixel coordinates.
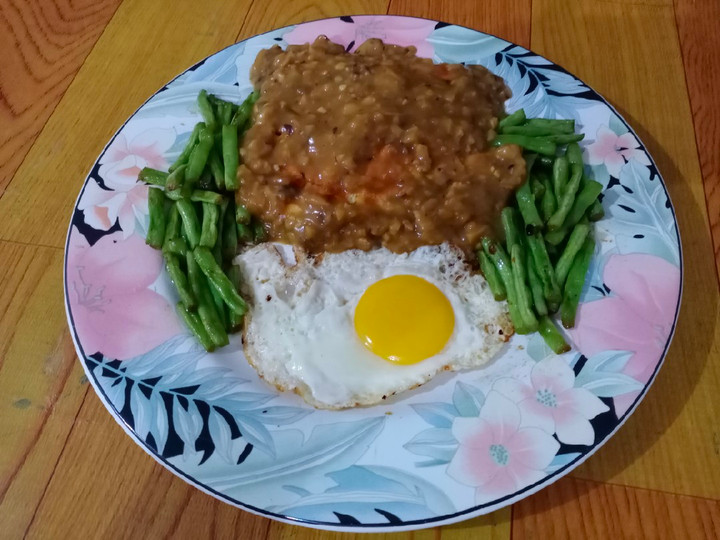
(502, 263)
(563, 126)
(574, 243)
(193, 322)
(584, 200)
(560, 175)
(552, 336)
(555, 238)
(156, 228)
(225, 110)
(596, 211)
(258, 230)
(565, 202)
(512, 226)
(209, 232)
(216, 167)
(197, 195)
(190, 222)
(176, 246)
(153, 176)
(172, 227)
(199, 155)
(538, 188)
(514, 119)
(206, 109)
(235, 321)
(242, 115)
(221, 309)
(218, 247)
(176, 179)
(565, 138)
(244, 233)
(526, 201)
(536, 131)
(185, 154)
(575, 282)
(180, 280)
(544, 270)
(541, 145)
(492, 276)
(536, 288)
(209, 197)
(230, 152)
(521, 289)
(548, 204)
(242, 215)
(206, 307)
(219, 280)
(229, 233)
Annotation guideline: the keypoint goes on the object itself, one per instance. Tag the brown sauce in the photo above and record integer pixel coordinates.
(374, 148)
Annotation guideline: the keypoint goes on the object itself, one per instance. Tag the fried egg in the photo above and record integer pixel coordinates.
(353, 328)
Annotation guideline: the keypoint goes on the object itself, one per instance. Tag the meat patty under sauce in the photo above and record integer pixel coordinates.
(374, 148)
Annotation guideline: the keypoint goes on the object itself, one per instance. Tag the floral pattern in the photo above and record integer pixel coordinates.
(614, 150)
(122, 198)
(637, 315)
(467, 444)
(114, 310)
(552, 403)
(498, 455)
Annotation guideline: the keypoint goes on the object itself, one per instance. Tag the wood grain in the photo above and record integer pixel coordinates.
(43, 46)
(571, 509)
(41, 384)
(509, 20)
(601, 43)
(700, 41)
(120, 73)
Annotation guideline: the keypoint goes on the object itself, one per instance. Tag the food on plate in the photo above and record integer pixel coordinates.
(365, 190)
(315, 319)
(196, 224)
(376, 148)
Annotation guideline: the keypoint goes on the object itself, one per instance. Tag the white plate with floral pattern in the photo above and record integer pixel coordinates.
(467, 444)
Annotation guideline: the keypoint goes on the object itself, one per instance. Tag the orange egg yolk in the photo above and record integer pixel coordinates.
(404, 319)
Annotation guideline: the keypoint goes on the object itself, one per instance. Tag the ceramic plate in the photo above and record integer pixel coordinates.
(464, 445)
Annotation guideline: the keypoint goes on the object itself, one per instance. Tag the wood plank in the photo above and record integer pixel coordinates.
(571, 509)
(144, 46)
(630, 54)
(44, 44)
(495, 526)
(41, 384)
(699, 40)
(509, 20)
(106, 486)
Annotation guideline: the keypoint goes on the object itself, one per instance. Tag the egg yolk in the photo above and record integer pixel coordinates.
(404, 319)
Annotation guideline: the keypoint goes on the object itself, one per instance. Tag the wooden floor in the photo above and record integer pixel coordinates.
(73, 70)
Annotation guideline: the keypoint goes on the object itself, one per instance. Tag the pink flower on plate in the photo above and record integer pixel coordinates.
(496, 455)
(613, 150)
(119, 168)
(637, 316)
(404, 31)
(552, 403)
(113, 309)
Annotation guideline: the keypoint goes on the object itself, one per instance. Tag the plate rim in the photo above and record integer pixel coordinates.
(461, 515)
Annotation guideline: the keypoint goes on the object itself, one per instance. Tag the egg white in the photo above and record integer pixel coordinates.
(300, 336)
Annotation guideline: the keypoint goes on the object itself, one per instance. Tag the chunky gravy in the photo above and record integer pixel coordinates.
(374, 148)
